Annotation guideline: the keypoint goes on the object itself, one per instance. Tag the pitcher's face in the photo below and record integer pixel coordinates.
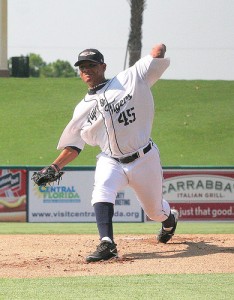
(92, 73)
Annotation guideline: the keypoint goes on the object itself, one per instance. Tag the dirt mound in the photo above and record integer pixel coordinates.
(25, 256)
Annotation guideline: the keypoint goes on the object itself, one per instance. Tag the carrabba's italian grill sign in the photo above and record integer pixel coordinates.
(200, 194)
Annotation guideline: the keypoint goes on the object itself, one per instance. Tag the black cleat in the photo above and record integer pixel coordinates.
(105, 250)
(164, 236)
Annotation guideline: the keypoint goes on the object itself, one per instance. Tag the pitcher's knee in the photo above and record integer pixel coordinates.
(103, 195)
(157, 217)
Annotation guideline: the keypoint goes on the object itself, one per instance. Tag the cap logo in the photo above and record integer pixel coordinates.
(87, 53)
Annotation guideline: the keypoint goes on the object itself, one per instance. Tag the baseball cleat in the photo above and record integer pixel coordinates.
(105, 250)
(164, 235)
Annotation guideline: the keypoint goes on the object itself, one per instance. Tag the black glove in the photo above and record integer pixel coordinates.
(47, 175)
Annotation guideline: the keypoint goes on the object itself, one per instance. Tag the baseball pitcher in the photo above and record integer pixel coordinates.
(117, 115)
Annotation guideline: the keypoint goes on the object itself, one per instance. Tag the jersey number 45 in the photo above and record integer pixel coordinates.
(128, 116)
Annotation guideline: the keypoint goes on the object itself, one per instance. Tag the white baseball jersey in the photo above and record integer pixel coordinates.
(119, 117)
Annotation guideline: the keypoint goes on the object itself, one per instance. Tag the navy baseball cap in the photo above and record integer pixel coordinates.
(91, 55)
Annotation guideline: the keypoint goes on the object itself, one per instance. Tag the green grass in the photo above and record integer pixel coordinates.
(193, 125)
(119, 228)
(179, 286)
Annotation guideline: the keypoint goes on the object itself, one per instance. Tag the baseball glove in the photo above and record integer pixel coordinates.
(47, 175)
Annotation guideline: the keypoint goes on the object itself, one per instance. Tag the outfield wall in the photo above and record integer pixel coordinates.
(198, 193)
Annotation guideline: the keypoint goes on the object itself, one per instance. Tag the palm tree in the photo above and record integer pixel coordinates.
(135, 36)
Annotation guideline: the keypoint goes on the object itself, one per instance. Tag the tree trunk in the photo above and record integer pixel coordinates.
(135, 35)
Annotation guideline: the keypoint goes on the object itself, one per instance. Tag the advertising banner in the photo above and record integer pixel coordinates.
(13, 195)
(70, 201)
(200, 194)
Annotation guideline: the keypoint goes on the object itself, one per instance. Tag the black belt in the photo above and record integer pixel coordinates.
(131, 158)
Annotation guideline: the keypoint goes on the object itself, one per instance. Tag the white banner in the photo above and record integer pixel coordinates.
(199, 188)
(70, 201)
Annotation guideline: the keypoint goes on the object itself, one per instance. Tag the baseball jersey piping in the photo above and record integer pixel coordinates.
(109, 144)
(106, 128)
(116, 141)
(103, 116)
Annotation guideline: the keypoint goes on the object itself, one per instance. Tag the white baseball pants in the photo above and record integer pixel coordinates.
(144, 175)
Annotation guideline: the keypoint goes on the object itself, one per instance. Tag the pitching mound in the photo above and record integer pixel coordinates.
(25, 256)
